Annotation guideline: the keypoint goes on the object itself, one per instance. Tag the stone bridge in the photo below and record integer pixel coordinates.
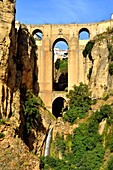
(78, 67)
(61, 94)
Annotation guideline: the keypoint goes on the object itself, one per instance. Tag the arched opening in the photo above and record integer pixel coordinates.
(38, 35)
(60, 65)
(84, 34)
(59, 105)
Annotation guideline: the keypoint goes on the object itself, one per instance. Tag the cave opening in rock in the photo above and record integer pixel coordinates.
(58, 106)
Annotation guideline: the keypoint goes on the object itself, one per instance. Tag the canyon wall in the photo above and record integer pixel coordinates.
(18, 57)
(101, 80)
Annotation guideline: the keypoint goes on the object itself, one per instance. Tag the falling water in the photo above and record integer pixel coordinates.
(48, 141)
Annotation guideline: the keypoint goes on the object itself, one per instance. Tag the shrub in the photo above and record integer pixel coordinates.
(87, 147)
(110, 164)
(79, 103)
(111, 68)
(110, 55)
(1, 135)
(31, 111)
(64, 66)
(2, 121)
(83, 150)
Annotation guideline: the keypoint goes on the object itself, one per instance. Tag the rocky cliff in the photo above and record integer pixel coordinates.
(99, 52)
(18, 75)
(7, 57)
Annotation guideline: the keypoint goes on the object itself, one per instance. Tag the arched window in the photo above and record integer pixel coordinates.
(84, 34)
(37, 34)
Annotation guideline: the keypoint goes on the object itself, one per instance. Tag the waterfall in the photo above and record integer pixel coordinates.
(48, 141)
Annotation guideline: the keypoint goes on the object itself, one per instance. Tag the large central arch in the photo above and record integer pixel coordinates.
(60, 65)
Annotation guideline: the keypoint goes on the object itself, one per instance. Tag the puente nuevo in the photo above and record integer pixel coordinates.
(39, 115)
(78, 67)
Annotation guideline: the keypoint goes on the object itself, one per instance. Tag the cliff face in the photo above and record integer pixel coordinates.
(18, 57)
(27, 59)
(99, 79)
(100, 74)
(7, 58)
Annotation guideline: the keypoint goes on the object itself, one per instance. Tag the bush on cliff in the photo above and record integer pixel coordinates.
(79, 103)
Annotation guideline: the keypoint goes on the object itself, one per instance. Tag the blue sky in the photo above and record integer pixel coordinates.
(63, 11)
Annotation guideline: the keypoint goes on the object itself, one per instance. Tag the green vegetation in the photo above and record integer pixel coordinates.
(104, 35)
(2, 121)
(79, 103)
(86, 151)
(62, 65)
(1, 135)
(85, 148)
(111, 68)
(61, 75)
(110, 55)
(110, 164)
(58, 145)
(31, 110)
(109, 30)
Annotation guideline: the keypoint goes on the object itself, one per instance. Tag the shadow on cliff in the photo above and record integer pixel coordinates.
(27, 76)
(8, 70)
(31, 124)
(20, 73)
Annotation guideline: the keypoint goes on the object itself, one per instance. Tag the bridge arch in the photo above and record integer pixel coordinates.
(60, 58)
(59, 39)
(84, 33)
(38, 34)
(58, 106)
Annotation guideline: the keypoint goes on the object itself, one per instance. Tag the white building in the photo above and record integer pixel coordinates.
(61, 54)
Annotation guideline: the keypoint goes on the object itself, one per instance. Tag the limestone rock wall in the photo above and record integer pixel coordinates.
(7, 59)
(99, 78)
(18, 68)
(27, 58)
(17, 61)
(101, 81)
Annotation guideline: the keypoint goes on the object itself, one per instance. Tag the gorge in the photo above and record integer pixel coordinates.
(28, 102)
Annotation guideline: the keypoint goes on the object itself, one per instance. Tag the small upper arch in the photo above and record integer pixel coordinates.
(84, 34)
(37, 34)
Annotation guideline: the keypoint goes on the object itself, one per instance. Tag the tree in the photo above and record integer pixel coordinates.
(79, 102)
